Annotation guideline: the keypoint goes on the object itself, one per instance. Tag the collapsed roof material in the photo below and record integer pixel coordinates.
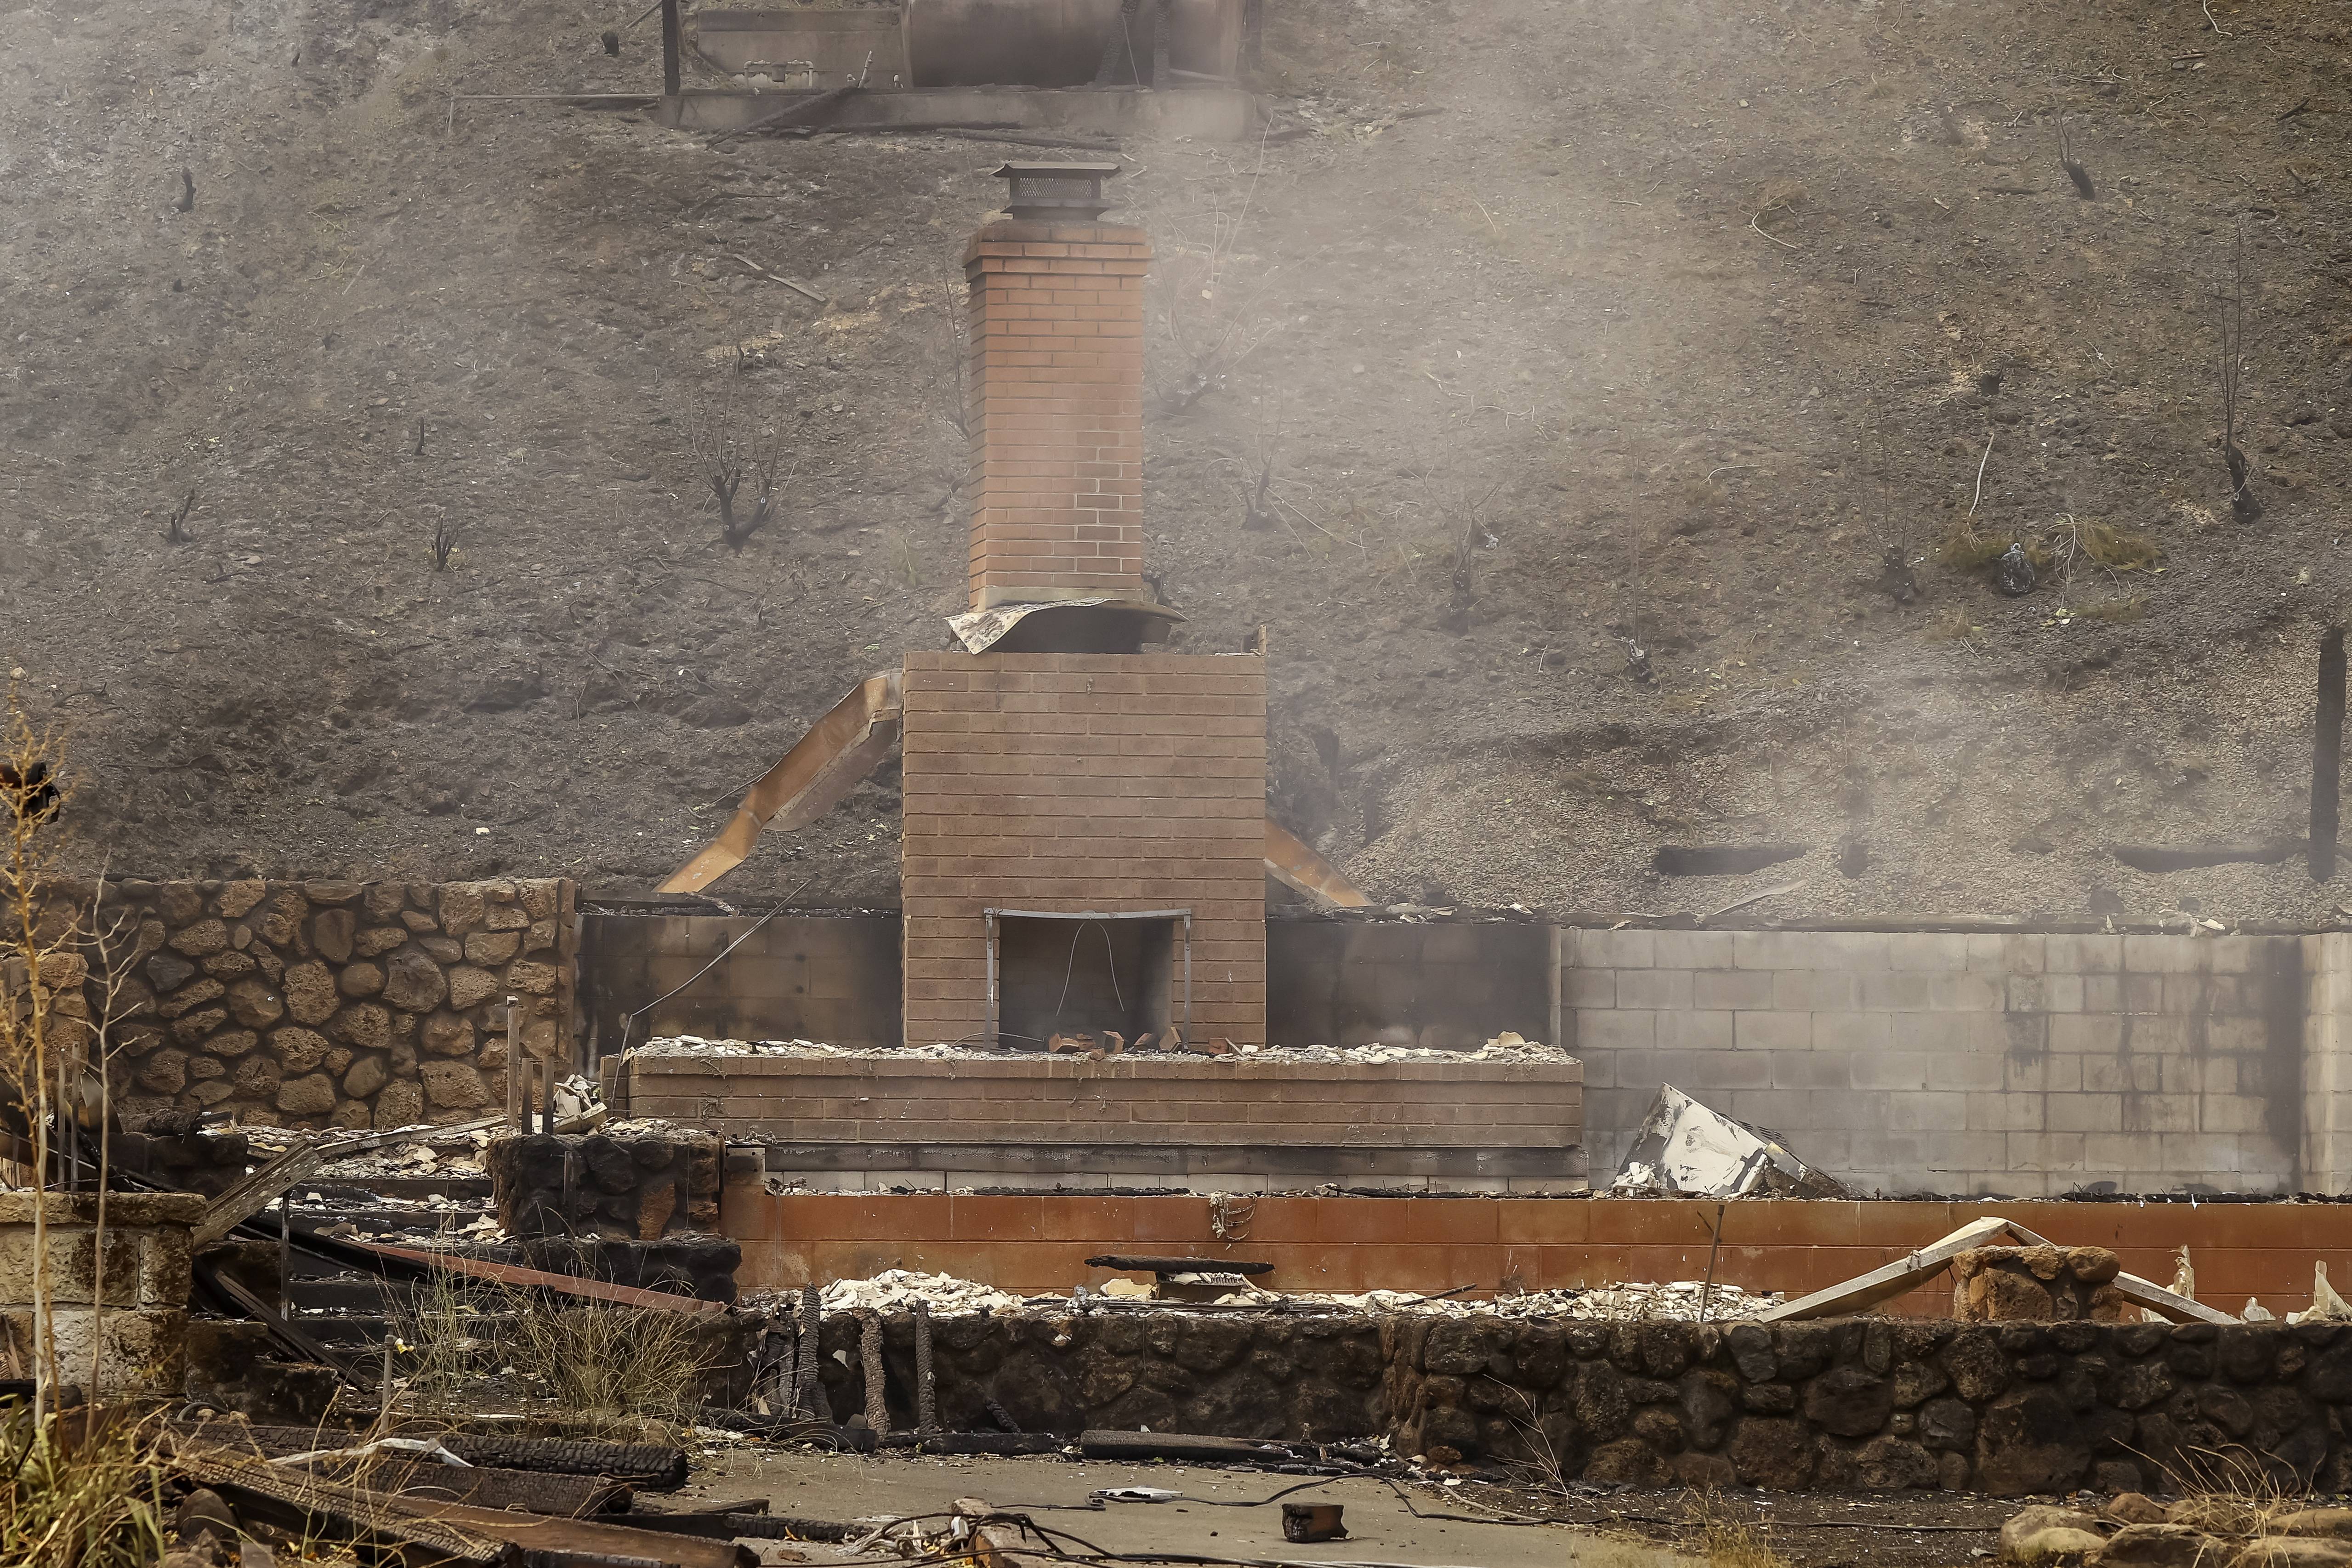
(826, 764)
(1913, 1269)
(1684, 1150)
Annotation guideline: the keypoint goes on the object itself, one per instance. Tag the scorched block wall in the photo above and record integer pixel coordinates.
(1070, 782)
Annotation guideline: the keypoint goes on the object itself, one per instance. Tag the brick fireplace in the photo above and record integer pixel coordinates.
(1084, 821)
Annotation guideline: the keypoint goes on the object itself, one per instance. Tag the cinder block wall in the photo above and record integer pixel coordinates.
(2023, 1064)
(132, 1298)
(1054, 383)
(1073, 781)
(833, 978)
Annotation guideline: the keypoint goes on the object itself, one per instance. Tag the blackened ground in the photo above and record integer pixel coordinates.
(1675, 312)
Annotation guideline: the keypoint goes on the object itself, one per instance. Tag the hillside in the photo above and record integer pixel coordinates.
(1661, 311)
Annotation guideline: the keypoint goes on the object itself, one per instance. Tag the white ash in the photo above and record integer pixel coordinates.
(1504, 1048)
(895, 1289)
(1629, 1302)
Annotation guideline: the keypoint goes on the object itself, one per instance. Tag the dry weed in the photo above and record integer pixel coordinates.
(1728, 1543)
(70, 1499)
(601, 1367)
(1950, 624)
(2102, 543)
(2114, 611)
(2233, 1491)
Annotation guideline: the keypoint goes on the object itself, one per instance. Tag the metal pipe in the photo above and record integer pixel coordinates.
(671, 48)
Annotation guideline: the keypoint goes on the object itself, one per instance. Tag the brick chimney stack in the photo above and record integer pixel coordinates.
(1053, 390)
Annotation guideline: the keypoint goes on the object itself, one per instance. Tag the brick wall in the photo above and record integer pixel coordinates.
(2025, 1064)
(1053, 391)
(1073, 781)
(1488, 1109)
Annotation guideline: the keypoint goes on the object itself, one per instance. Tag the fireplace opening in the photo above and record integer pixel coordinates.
(1088, 972)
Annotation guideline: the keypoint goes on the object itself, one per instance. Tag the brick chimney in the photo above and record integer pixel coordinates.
(1054, 383)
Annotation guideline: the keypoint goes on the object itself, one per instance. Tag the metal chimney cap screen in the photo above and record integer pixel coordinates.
(1057, 190)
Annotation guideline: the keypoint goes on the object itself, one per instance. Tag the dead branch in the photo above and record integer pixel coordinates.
(2231, 308)
(730, 451)
(177, 532)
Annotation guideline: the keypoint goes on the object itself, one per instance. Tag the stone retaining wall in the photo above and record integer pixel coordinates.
(1873, 1403)
(1879, 1404)
(311, 1004)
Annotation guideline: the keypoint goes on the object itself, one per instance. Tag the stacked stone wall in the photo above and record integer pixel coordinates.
(317, 1004)
(1851, 1403)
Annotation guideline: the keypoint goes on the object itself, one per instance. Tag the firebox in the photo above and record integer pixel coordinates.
(1094, 972)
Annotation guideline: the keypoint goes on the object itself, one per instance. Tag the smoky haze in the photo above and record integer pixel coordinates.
(1556, 332)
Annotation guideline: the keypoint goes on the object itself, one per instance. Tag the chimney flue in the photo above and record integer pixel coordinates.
(1053, 394)
(1071, 193)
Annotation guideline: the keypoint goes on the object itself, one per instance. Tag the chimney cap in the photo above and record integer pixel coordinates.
(1056, 190)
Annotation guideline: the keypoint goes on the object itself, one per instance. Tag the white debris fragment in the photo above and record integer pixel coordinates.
(1633, 1301)
(895, 1289)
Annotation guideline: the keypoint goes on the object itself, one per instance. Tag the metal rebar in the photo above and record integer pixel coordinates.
(927, 1392)
(869, 1355)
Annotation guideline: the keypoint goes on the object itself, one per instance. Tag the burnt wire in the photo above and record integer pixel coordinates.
(629, 1019)
(1109, 960)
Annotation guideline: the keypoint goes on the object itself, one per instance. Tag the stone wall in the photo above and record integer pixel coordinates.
(2019, 1063)
(1880, 1404)
(311, 1004)
(1321, 1378)
(636, 1186)
(1872, 1403)
(132, 1294)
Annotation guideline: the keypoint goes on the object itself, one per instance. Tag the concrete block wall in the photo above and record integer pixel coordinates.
(131, 1295)
(833, 978)
(2327, 1062)
(1067, 782)
(2025, 1064)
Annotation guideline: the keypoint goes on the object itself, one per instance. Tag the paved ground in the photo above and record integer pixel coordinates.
(842, 1487)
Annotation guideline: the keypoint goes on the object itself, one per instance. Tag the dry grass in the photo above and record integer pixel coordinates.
(2106, 544)
(1964, 546)
(440, 1353)
(1728, 1543)
(2131, 607)
(73, 1501)
(605, 1366)
(1950, 624)
(2231, 1492)
(577, 1369)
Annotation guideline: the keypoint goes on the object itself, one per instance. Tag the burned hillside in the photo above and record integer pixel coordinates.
(1519, 338)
